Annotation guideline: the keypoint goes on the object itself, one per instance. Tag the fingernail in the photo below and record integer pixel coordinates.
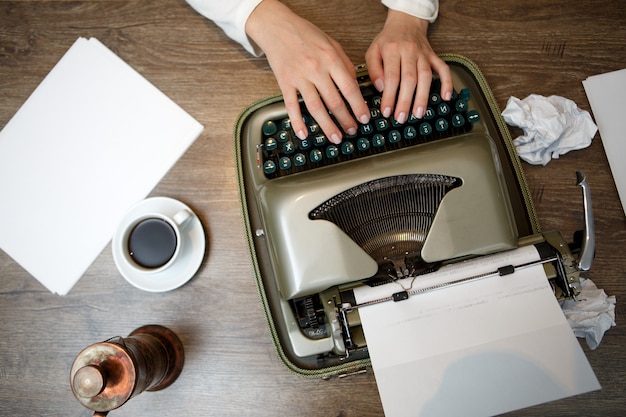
(351, 131)
(379, 84)
(419, 113)
(448, 96)
(401, 118)
(335, 138)
(364, 118)
(387, 112)
(302, 134)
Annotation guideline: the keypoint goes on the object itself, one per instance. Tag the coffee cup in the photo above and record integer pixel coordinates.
(153, 241)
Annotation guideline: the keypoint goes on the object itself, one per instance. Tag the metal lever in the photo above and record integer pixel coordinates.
(588, 245)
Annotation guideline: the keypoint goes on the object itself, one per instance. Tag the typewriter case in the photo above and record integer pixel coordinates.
(268, 256)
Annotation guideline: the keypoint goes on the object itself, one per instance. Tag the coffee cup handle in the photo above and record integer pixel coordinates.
(181, 217)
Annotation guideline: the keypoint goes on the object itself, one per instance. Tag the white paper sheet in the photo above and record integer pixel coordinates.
(476, 349)
(94, 138)
(606, 94)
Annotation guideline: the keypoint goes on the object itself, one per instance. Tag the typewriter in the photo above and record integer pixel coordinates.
(391, 203)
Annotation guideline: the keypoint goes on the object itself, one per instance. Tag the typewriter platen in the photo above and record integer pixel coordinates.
(394, 202)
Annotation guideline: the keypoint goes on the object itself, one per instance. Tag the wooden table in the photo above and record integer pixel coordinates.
(232, 369)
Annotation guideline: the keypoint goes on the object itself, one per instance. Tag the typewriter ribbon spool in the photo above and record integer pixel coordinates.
(105, 375)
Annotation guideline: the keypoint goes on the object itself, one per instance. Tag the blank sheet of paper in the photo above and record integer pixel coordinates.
(479, 348)
(94, 138)
(606, 94)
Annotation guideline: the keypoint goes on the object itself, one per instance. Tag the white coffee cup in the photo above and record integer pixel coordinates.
(152, 242)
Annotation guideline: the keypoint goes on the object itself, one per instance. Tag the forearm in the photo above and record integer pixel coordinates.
(424, 9)
(231, 16)
(271, 20)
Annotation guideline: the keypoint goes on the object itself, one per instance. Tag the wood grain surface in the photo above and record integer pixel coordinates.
(232, 369)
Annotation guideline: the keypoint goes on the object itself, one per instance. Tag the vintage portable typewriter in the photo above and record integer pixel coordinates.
(390, 203)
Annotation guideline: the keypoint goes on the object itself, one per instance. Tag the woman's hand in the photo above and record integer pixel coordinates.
(306, 60)
(400, 63)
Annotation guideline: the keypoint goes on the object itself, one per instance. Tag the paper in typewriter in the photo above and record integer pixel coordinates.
(479, 348)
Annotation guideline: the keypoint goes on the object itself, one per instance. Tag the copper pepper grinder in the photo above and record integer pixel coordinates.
(107, 374)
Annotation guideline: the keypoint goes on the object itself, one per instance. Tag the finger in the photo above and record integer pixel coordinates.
(336, 106)
(408, 84)
(347, 64)
(374, 62)
(443, 70)
(318, 111)
(392, 82)
(345, 80)
(424, 79)
(292, 104)
(350, 90)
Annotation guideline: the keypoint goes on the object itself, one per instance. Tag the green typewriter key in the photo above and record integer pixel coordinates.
(426, 129)
(269, 128)
(461, 105)
(316, 155)
(332, 152)
(351, 136)
(458, 120)
(473, 116)
(299, 159)
(395, 123)
(284, 163)
(465, 94)
(378, 140)
(429, 114)
(305, 144)
(435, 99)
(382, 125)
(443, 109)
(363, 144)
(410, 132)
(394, 136)
(442, 125)
(313, 128)
(347, 148)
(271, 144)
(286, 124)
(283, 136)
(319, 140)
(269, 167)
(412, 118)
(289, 147)
(366, 129)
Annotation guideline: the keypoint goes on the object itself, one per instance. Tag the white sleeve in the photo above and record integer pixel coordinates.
(231, 17)
(424, 9)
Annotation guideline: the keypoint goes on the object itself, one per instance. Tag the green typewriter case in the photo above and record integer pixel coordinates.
(303, 256)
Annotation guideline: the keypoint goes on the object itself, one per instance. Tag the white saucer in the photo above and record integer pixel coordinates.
(187, 263)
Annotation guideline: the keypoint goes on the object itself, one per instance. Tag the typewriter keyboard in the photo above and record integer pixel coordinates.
(283, 153)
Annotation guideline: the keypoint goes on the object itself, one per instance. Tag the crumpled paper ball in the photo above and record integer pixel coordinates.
(591, 314)
(552, 127)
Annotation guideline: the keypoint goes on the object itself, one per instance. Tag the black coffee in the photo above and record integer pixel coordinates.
(152, 243)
